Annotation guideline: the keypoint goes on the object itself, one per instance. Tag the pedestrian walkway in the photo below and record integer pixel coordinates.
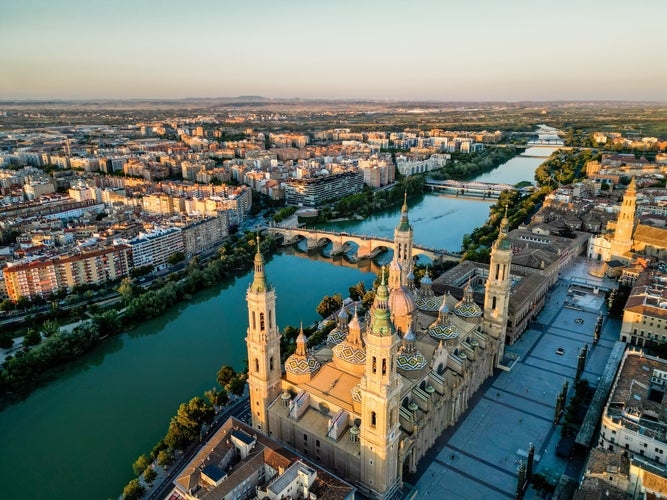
(478, 458)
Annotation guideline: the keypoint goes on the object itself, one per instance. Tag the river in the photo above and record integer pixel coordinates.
(77, 436)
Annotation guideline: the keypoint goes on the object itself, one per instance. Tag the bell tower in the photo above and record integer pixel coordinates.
(497, 294)
(622, 241)
(380, 389)
(263, 341)
(403, 242)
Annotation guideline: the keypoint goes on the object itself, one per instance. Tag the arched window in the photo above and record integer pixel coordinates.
(493, 305)
(271, 363)
(384, 366)
(497, 270)
(261, 321)
(373, 419)
(374, 364)
(256, 364)
(270, 325)
(254, 322)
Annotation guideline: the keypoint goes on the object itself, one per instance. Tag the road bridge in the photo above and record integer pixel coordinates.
(472, 188)
(368, 246)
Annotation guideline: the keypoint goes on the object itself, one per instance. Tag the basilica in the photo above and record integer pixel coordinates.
(370, 403)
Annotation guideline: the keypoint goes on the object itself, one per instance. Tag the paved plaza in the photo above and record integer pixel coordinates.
(479, 457)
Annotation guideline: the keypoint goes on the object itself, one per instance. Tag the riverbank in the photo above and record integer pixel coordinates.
(27, 370)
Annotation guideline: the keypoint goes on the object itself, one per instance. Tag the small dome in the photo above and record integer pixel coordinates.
(428, 303)
(336, 336)
(401, 302)
(468, 310)
(411, 360)
(343, 313)
(297, 365)
(444, 332)
(426, 280)
(443, 308)
(355, 354)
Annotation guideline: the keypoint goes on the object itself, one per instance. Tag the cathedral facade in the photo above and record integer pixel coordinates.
(371, 402)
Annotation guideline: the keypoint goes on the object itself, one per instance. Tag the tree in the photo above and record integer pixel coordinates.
(140, 464)
(6, 341)
(150, 475)
(126, 289)
(236, 385)
(50, 328)
(165, 457)
(133, 490)
(175, 258)
(217, 398)
(32, 338)
(357, 291)
(329, 305)
(225, 375)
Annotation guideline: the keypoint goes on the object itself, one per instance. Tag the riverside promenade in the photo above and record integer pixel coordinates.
(478, 458)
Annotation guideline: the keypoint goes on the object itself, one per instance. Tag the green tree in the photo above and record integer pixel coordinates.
(217, 397)
(236, 385)
(140, 464)
(165, 457)
(133, 490)
(329, 305)
(32, 338)
(357, 291)
(126, 290)
(150, 475)
(175, 258)
(50, 328)
(6, 341)
(225, 374)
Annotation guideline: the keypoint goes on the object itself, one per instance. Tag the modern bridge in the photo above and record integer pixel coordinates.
(368, 246)
(484, 189)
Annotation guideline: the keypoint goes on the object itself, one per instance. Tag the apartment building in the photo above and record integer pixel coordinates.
(156, 247)
(313, 192)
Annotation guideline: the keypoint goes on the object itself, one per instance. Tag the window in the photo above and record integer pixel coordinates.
(261, 321)
(305, 437)
(271, 363)
(373, 419)
(256, 364)
(254, 323)
(270, 325)
(374, 364)
(497, 270)
(317, 442)
(384, 366)
(493, 305)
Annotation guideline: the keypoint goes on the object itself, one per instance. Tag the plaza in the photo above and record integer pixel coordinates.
(478, 458)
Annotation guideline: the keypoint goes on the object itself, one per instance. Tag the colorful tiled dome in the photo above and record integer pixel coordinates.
(411, 360)
(428, 304)
(298, 366)
(443, 332)
(351, 353)
(336, 336)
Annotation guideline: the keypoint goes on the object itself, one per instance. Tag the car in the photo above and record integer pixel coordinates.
(560, 351)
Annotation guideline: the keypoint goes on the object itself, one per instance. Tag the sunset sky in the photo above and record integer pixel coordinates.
(390, 49)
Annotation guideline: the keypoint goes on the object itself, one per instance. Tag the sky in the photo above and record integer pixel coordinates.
(463, 50)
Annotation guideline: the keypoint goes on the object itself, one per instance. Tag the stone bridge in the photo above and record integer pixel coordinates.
(368, 246)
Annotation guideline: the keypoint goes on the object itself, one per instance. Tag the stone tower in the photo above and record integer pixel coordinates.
(263, 341)
(403, 242)
(497, 293)
(380, 388)
(622, 242)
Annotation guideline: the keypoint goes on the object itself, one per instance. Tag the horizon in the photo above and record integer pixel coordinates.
(393, 50)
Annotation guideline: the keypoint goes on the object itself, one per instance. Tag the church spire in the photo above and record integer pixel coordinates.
(259, 282)
(404, 225)
(301, 343)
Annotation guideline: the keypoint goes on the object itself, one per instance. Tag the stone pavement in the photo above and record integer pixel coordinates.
(478, 458)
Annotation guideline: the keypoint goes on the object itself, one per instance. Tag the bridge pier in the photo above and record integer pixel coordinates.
(337, 248)
(364, 250)
(311, 244)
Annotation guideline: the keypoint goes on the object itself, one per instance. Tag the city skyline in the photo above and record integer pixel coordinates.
(399, 50)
